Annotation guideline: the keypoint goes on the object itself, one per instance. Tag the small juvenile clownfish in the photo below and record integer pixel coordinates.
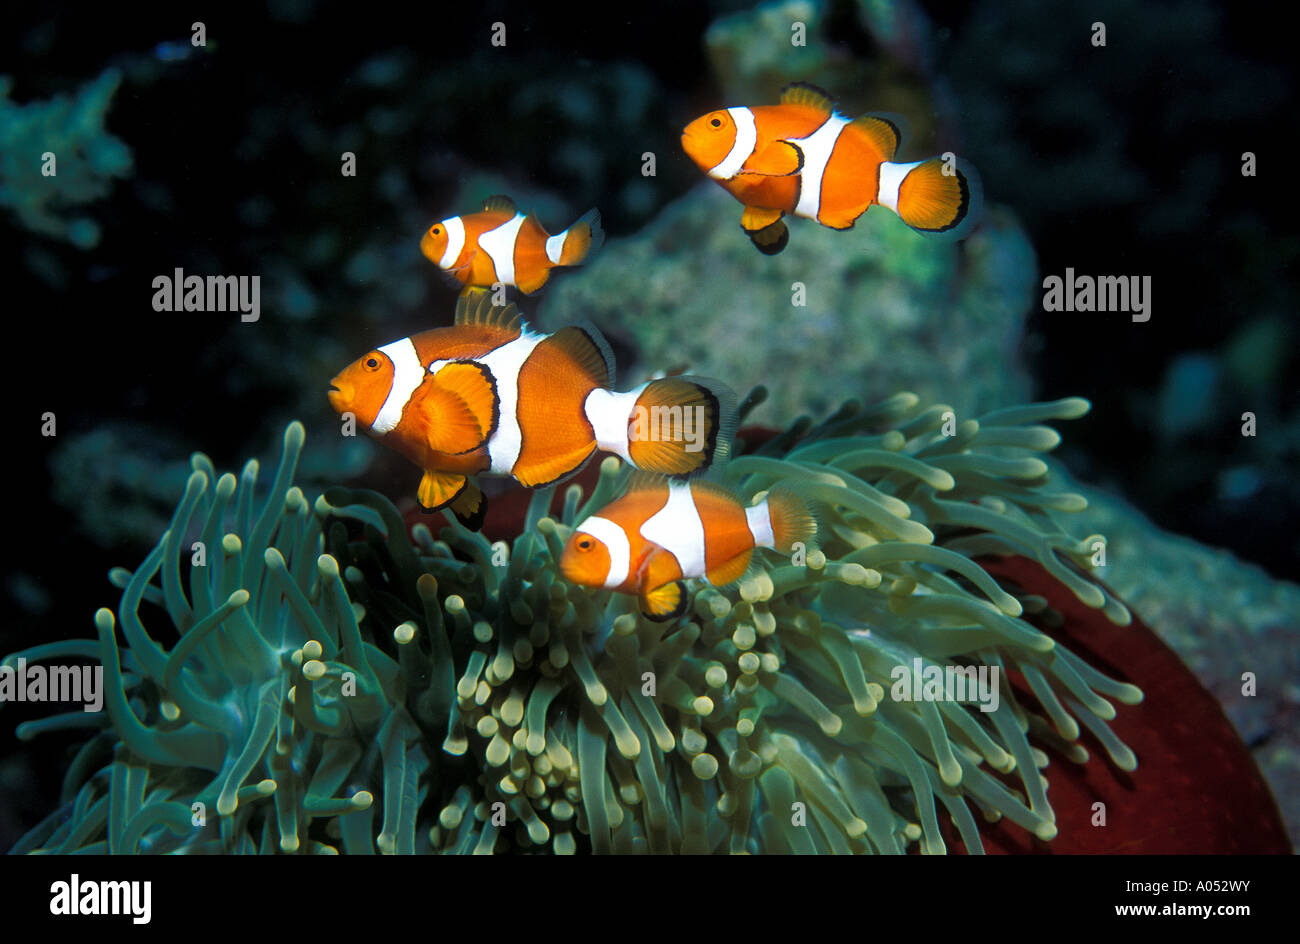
(503, 245)
(804, 158)
(661, 532)
(489, 396)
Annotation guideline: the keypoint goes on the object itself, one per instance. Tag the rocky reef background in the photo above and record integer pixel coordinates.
(225, 159)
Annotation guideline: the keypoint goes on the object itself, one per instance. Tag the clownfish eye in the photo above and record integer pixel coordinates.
(584, 544)
(435, 231)
(715, 121)
(372, 363)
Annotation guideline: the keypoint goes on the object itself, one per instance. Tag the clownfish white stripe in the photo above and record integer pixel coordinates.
(616, 543)
(408, 372)
(555, 246)
(746, 138)
(499, 244)
(677, 528)
(504, 363)
(609, 414)
(455, 242)
(891, 178)
(759, 519)
(816, 148)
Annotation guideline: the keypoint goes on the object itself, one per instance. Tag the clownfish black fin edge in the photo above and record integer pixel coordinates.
(665, 594)
(771, 239)
(469, 507)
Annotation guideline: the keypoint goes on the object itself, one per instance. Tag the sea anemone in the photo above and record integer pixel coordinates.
(341, 684)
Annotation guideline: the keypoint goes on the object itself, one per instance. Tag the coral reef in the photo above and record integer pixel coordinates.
(898, 311)
(339, 686)
(88, 158)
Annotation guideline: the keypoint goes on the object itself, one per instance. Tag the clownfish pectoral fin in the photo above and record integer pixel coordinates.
(439, 488)
(461, 273)
(448, 424)
(664, 603)
(778, 159)
(470, 507)
(756, 218)
(501, 203)
(474, 384)
(808, 95)
(770, 239)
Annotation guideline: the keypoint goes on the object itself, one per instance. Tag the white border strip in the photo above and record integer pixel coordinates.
(746, 138)
(408, 373)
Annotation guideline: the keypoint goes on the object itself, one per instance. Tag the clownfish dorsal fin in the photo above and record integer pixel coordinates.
(883, 133)
(474, 384)
(500, 203)
(585, 345)
(476, 308)
(808, 95)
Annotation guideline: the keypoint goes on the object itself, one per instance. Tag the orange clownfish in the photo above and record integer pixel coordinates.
(488, 395)
(503, 245)
(804, 158)
(661, 532)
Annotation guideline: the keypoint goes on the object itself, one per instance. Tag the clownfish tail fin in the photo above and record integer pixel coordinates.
(789, 517)
(681, 425)
(573, 246)
(938, 197)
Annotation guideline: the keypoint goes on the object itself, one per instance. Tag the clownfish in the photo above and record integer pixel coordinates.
(503, 245)
(803, 157)
(661, 532)
(487, 395)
